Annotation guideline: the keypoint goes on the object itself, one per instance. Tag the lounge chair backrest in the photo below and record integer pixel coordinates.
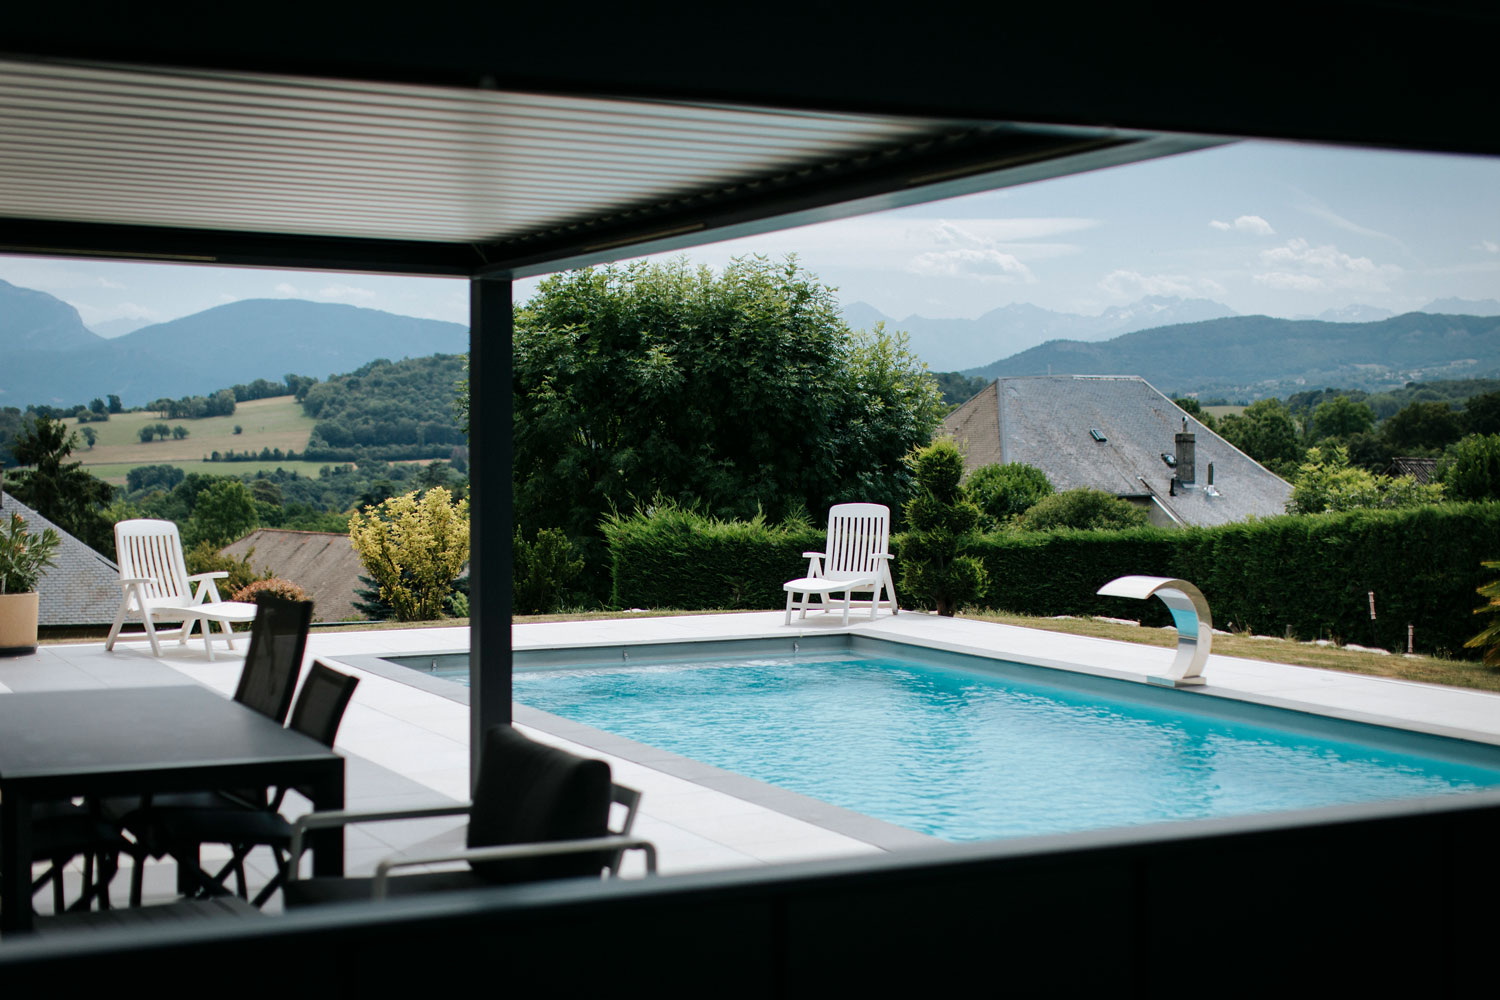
(152, 550)
(858, 534)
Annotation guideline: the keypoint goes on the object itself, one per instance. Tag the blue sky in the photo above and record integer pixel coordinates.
(1276, 228)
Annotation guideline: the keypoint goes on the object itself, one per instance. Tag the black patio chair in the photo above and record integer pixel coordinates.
(229, 819)
(278, 639)
(64, 831)
(273, 660)
(538, 813)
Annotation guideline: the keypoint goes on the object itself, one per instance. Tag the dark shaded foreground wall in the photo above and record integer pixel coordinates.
(1385, 897)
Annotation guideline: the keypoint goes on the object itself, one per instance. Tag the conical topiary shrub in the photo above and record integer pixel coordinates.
(935, 571)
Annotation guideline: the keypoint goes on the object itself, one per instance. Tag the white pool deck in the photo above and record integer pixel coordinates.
(406, 745)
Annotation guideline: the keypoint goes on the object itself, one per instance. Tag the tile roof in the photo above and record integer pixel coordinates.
(323, 563)
(83, 588)
(1419, 468)
(1045, 421)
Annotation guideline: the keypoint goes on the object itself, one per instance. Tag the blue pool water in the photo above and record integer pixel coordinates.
(972, 755)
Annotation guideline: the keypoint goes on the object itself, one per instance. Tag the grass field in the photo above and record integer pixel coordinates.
(115, 473)
(266, 423)
(1223, 411)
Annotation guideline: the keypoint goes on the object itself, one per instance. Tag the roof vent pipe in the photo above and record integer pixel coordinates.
(1186, 447)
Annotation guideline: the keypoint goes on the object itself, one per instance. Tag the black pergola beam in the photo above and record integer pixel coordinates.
(491, 326)
(36, 237)
(1380, 72)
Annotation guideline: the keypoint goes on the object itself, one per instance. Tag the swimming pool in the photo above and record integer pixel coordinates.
(965, 748)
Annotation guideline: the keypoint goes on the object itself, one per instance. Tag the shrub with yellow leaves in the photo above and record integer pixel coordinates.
(413, 549)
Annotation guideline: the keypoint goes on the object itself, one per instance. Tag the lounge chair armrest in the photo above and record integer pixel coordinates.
(206, 587)
(132, 580)
(812, 555)
(508, 852)
(884, 555)
(345, 817)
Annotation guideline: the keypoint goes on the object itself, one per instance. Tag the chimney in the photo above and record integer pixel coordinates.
(1186, 458)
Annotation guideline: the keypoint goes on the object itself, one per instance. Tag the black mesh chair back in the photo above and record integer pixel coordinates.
(320, 706)
(528, 792)
(277, 640)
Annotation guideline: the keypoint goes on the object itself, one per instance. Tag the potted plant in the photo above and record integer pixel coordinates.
(23, 556)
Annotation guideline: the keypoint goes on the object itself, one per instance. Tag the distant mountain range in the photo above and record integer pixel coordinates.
(962, 344)
(955, 344)
(49, 356)
(1260, 356)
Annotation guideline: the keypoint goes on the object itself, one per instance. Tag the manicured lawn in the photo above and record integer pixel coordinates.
(1428, 669)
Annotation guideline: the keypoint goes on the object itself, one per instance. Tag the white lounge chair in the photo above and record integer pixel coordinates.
(858, 559)
(156, 585)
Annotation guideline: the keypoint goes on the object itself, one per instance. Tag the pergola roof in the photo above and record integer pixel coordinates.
(210, 165)
(511, 140)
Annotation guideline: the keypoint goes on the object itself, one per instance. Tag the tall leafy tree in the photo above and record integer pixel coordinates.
(739, 393)
(57, 489)
(1005, 492)
(1421, 428)
(1341, 418)
(223, 512)
(1265, 431)
(1470, 469)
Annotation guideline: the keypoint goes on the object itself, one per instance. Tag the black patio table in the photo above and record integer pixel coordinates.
(137, 741)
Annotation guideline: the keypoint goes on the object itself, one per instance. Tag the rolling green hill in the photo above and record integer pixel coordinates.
(1257, 356)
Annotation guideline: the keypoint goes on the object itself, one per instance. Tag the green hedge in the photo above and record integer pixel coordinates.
(675, 558)
(1309, 575)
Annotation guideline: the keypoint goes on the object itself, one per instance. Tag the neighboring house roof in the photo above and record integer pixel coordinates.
(83, 588)
(1420, 469)
(323, 563)
(1046, 421)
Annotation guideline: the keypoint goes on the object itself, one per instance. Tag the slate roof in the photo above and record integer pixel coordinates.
(1045, 421)
(83, 588)
(323, 563)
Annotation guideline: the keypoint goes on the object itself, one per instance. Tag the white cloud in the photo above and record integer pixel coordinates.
(1133, 285)
(1325, 258)
(106, 283)
(1290, 282)
(344, 293)
(1488, 246)
(287, 288)
(971, 262)
(1252, 224)
(1300, 266)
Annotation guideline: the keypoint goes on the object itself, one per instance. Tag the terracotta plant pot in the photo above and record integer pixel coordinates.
(18, 623)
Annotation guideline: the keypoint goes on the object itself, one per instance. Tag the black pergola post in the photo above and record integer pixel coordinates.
(489, 508)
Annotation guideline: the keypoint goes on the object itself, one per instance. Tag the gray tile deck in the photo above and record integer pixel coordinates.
(410, 746)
